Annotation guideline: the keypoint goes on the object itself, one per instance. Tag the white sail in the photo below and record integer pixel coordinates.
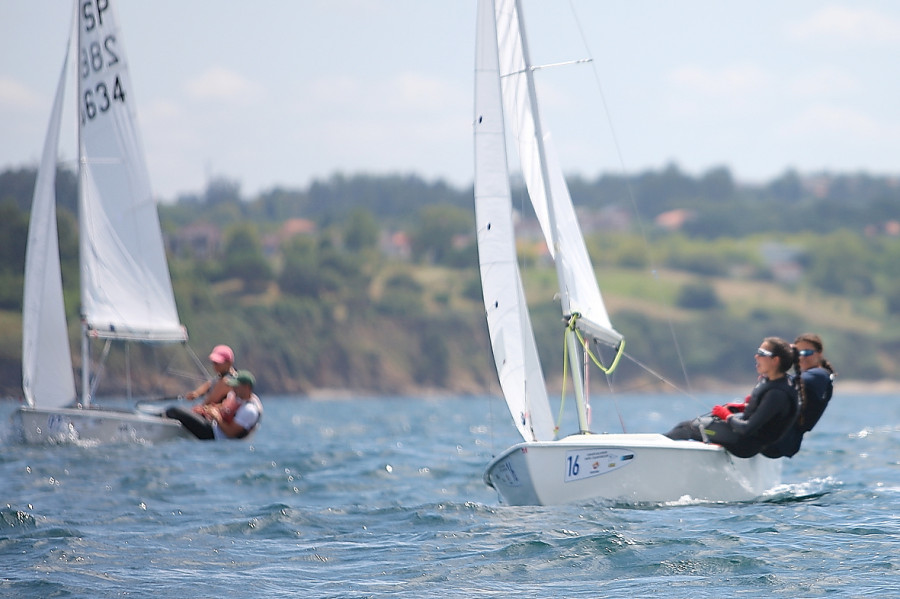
(46, 357)
(546, 185)
(125, 285)
(584, 466)
(512, 338)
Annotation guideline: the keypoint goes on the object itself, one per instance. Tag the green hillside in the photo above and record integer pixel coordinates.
(370, 285)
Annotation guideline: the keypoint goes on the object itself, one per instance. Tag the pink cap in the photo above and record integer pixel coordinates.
(221, 354)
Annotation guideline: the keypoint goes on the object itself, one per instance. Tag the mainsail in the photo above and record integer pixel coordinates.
(512, 338)
(125, 285)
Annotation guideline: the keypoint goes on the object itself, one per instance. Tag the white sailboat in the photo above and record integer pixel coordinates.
(126, 292)
(544, 469)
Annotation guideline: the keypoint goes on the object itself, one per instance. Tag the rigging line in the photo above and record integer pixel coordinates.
(660, 377)
(562, 399)
(630, 193)
(540, 67)
(615, 399)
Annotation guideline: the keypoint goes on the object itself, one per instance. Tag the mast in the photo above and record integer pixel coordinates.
(85, 343)
(573, 345)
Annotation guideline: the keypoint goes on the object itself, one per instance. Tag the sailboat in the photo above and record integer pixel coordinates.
(545, 469)
(126, 292)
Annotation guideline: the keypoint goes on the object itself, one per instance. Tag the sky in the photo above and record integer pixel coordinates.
(276, 93)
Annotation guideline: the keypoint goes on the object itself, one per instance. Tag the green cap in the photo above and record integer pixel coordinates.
(243, 377)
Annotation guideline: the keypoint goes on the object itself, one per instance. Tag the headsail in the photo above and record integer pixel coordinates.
(46, 357)
(546, 185)
(125, 285)
(512, 338)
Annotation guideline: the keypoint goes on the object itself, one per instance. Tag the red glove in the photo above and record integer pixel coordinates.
(735, 407)
(721, 412)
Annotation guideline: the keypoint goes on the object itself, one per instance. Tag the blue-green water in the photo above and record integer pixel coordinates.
(378, 497)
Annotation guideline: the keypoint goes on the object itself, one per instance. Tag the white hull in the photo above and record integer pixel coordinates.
(630, 468)
(93, 425)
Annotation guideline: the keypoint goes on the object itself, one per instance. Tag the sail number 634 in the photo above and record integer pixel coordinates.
(100, 99)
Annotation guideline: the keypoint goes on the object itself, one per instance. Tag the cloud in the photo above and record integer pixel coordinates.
(849, 24)
(223, 85)
(334, 90)
(15, 96)
(826, 81)
(405, 92)
(414, 90)
(739, 86)
(824, 120)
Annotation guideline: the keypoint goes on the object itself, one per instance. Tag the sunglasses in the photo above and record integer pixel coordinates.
(764, 352)
(805, 353)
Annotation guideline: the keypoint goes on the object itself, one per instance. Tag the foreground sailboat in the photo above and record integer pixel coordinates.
(544, 470)
(126, 292)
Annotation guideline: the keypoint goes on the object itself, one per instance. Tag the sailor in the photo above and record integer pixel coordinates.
(215, 389)
(770, 411)
(817, 376)
(235, 417)
(241, 410)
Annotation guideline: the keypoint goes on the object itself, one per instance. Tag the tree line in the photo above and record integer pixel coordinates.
(331, 308)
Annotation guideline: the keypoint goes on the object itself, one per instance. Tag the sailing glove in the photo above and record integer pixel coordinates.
(721, 412)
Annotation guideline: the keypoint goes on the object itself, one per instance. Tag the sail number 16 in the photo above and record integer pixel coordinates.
(590, 462)
(574, 467)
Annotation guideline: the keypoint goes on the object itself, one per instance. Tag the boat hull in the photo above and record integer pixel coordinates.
(626, 468)
(94, 425)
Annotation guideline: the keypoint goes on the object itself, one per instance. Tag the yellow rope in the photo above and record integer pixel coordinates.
(562, 400)
(615, 362)
(570, 327)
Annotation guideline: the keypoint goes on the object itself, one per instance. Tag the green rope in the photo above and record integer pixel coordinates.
(615, 362)
(570, 328)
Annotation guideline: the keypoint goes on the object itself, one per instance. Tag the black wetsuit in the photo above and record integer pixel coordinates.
(199, 426)
(818, 386)
(771, 410)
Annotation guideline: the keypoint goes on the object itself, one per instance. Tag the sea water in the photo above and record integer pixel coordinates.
(373, 497)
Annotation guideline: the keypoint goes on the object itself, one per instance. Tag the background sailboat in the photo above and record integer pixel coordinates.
(584, 466)
(126, 292)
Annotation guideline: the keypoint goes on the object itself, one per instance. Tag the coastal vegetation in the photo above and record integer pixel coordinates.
(369, 284)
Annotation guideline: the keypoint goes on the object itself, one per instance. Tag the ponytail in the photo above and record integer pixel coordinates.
(798, 385)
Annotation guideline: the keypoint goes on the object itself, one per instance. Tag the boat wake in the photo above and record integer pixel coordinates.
(805, 491)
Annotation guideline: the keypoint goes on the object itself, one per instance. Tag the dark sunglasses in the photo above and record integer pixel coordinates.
(764, 352)
(805, 353)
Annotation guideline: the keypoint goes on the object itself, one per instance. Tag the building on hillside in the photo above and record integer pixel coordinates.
(289, 229)
(202, 241)
(396, 245)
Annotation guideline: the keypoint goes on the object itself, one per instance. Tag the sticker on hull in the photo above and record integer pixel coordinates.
(585, 463)
(505, 474)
